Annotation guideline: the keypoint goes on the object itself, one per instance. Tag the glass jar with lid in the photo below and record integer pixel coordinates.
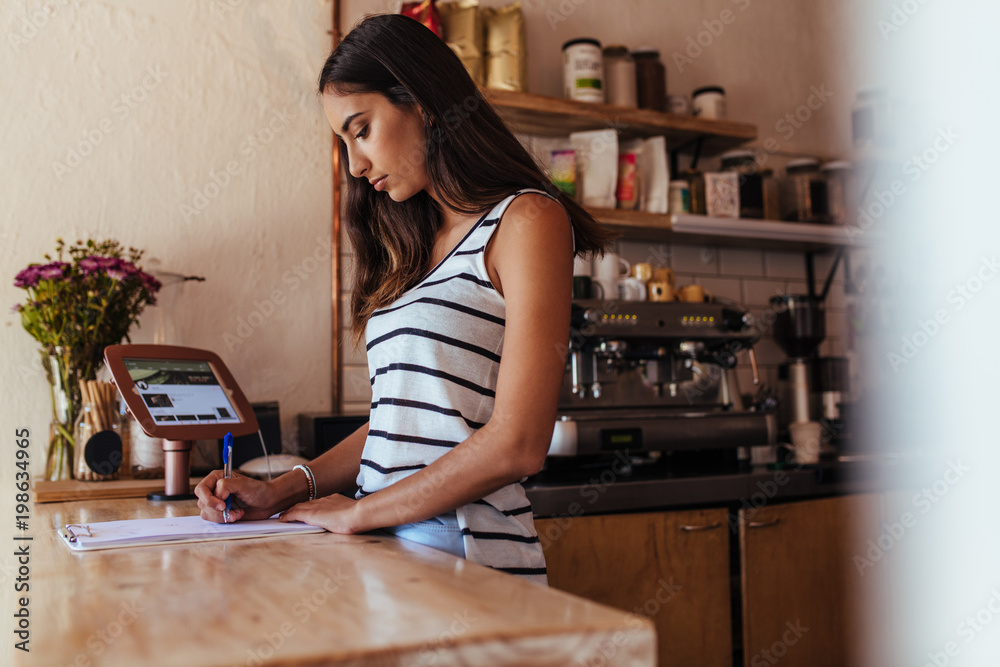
(650, 79)
(696, 191)
(804, 197)
(772, 195)
(839, 189)
(744, 163)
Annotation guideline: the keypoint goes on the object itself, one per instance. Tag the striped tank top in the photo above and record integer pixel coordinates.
(433, 359)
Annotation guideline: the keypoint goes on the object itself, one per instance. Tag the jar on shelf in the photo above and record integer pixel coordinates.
(619, 75)
(772, 195)
(870, 118)
(839, 190)
(650, 79)
(583, 70)
(679, 197)
(744, 163)
(709, 102)
(696, 191)
(804, 196)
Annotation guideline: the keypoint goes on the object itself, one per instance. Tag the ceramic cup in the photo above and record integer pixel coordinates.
(664, 274)
(643, 271)
(608, 270)
(585, 287)
(693, 294)
(632, 289)
(660, 290)
(583, 267)
(611, 267)
(805, 441)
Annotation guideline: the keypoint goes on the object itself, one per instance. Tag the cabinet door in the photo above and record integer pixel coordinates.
(671, 567)
(803, 595)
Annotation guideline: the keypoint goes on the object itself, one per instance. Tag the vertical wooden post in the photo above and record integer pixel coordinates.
(338, 371)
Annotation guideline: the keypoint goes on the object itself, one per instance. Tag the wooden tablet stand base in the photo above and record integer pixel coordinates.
(177, 472)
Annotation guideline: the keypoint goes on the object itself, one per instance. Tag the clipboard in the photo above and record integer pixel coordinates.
(172, 530)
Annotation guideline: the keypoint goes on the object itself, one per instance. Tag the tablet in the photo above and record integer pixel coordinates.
(180, 393)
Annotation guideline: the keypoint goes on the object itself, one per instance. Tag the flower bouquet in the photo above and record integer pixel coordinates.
(74, 309)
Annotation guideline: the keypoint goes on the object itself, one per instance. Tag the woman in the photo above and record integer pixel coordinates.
(462, 294)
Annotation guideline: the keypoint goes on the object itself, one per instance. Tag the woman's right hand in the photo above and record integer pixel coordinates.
(253, 499)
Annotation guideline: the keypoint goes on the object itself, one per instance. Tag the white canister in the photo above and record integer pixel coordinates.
(583, 70)
(709, 102)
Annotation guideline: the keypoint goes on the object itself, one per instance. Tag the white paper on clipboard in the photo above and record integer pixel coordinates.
(171, 530)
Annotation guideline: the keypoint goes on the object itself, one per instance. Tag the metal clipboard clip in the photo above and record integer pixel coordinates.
(72, 534)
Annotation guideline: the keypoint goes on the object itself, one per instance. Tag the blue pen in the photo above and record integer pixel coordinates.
(227, 464)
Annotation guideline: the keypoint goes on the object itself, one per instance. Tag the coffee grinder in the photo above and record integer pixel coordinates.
(799, 328)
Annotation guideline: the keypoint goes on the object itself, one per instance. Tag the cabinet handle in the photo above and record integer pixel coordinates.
(763, 524)
(691, 529)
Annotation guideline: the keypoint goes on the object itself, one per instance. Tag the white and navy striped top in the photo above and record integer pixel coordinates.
(433, 359)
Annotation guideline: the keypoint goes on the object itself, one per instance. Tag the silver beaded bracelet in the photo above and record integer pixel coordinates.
(310, 480)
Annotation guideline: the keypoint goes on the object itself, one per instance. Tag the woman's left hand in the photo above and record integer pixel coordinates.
(336, 513)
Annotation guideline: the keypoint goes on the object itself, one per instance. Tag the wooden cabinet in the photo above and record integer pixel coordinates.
(804, 595)
(671, 567)
(808, 594)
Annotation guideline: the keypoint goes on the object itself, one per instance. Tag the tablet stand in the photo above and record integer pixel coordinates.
(177, 472)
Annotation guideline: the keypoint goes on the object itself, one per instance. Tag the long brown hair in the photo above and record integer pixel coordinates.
(473, 160)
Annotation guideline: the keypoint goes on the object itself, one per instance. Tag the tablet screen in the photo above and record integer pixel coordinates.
(181, 392)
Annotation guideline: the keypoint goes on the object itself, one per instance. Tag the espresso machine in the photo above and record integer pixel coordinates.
(656, 377)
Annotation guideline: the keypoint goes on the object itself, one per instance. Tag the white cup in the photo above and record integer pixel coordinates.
(608, 288)
(611, 267)
(582, 267)
(806, 441)
(632, 289)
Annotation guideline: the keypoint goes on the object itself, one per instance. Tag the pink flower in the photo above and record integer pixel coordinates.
(52, 271)
(27, 277)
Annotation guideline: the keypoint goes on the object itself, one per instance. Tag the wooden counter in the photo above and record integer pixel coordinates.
(315, 599)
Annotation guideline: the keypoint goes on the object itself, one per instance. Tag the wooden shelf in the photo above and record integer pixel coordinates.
(556, 116)
(736, 232)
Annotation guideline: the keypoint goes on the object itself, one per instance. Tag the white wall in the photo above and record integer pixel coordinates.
(172, 94)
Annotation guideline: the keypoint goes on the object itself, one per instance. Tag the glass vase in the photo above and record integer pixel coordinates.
(65, 406)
